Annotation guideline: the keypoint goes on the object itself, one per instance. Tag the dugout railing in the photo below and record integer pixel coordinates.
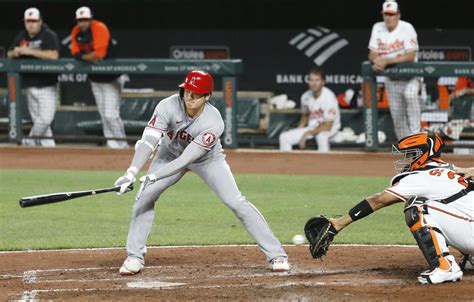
(226, 70)
(436, 116)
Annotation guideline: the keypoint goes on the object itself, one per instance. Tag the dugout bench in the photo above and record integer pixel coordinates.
(137, 108)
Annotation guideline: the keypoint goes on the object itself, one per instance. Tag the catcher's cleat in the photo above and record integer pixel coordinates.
(280, 265)
(467, 263)
(320, 232)
(439, 275)
(131, 266)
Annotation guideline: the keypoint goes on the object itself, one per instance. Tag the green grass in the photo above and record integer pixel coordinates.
(187, 213)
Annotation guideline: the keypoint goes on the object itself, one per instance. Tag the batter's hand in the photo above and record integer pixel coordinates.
(466, 172)
(150, 178)
(124, 182)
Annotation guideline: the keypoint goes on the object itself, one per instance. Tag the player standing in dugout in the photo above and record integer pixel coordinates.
(38, 41)
(395, 41)
(92, 43)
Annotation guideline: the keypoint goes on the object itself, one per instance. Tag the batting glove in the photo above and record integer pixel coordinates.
(150, 178)
(125, 182)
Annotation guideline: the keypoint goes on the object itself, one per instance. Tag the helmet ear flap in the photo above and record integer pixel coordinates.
(436, 145)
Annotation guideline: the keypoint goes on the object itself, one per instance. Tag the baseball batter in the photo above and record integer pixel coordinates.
(320, 116)
(439, 206)
(395, 41)
(187, 129)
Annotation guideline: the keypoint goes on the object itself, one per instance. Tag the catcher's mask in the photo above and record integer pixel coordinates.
(417, 149)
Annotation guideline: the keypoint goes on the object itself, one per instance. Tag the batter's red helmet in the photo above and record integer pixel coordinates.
(417, 149)
(198, 81)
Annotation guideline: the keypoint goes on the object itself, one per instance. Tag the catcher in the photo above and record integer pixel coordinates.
(439, 208)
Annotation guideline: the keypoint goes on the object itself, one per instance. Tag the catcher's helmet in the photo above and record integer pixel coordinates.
(198, 81)
(417, 149)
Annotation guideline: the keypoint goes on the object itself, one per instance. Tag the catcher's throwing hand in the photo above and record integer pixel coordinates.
(466, 172)
(320, 233)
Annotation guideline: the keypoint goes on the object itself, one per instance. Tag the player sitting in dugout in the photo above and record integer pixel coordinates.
(320, 116)
(439, 208)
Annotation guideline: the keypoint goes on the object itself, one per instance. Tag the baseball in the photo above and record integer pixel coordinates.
(298, 239)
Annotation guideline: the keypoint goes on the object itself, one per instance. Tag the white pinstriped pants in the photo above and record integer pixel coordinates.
(292, 137)
(42, 108)
(107, 98)
(404, 106)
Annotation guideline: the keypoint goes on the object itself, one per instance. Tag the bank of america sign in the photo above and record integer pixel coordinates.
(318, 44)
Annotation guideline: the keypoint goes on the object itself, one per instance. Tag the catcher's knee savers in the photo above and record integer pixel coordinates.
(423, 233)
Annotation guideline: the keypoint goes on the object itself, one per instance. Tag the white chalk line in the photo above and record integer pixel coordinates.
(200, 246)
(155, 285)
(293, 272)
(29, 276)
(113, 268)
(151, 283)
(32, 276)
(151, 267)
(29, 296)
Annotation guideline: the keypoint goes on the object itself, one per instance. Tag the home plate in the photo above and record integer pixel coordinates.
(152, 284)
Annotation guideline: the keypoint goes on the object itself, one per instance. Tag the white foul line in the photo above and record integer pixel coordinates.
(198, 246)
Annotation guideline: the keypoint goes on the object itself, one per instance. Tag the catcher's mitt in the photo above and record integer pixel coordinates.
(320, 233)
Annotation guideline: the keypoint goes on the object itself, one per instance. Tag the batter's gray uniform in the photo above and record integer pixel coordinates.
(402, 92)
(182, 135)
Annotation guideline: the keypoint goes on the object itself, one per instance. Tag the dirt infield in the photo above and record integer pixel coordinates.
(241, 161)
(349, 273)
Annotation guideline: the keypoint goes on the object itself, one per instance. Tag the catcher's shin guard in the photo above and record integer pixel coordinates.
(427, 237)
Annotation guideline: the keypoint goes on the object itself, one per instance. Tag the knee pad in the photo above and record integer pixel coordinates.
(413, 210)
(412, 216)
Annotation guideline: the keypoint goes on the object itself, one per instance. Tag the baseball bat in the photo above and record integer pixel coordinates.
(38, 200)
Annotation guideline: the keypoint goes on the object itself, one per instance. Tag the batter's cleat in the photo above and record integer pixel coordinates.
(439, 275)
(131, 266)
(280, 265)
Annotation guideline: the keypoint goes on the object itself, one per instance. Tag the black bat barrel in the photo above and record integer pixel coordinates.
(57, 197)
(40, 200)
